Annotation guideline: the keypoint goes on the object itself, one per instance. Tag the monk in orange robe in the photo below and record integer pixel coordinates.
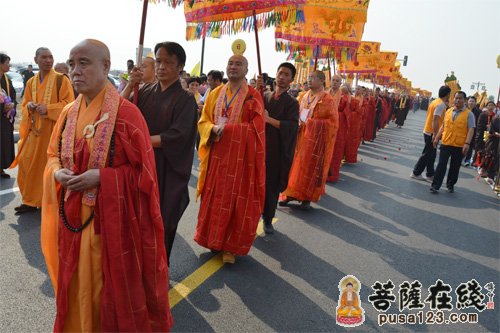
(341, 139)
(46, 94)
(102, 231)
(354, 132)
(319, 122)
(232, 165)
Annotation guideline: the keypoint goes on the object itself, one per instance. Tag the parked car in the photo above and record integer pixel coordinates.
(114, 80)
(17, 82)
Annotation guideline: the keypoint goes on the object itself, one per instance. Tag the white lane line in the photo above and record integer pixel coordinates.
(10, 190)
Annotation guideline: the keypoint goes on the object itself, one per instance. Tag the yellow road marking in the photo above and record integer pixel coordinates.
(182, 289)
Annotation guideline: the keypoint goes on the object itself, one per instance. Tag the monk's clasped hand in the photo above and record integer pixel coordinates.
(63, 176)
(88, 179)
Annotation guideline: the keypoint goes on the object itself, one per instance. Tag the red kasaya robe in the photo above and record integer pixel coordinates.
(354, 132)
(131, 252)
(341, 140)
(370, 112)
(386, 109)
(232, 174)
(314, 150)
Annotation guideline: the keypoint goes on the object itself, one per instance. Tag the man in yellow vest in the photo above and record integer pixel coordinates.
(435, 116)
(456, 131)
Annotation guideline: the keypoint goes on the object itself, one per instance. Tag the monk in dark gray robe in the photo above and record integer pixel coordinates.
(7, 114)
(171, 116)
(282, 123)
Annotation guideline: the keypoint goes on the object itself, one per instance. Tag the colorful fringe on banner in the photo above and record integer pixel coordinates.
(171, 3)
(227, 17)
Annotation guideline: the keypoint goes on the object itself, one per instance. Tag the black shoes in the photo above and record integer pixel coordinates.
(4, 175)
(284, 203)
(305, 205)
(24, 209)
(451, 189)
(268, 227)
(433, 190)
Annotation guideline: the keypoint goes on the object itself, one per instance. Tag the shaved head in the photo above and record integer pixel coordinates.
(89, 63)
(237, 68)
(240, 58)
(335, 82)
(97, 47)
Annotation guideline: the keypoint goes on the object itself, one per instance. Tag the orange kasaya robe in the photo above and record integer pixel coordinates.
(354, 132)
(232, 171)
(341, 140)
(314, 149)
(56, 92)
(113, 275)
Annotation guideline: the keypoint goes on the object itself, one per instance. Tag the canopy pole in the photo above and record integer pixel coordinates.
(141, 45)
(255, 28)
(316, 58)
(202, 55)
(257, 41)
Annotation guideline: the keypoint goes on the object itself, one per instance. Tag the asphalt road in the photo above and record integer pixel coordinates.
(376, 224)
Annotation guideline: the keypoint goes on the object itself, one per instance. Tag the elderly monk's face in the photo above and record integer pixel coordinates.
(148, 69)
(88, 69)
(237, 68)
(336, 81)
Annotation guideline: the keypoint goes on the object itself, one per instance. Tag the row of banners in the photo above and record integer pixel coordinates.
(307, 30)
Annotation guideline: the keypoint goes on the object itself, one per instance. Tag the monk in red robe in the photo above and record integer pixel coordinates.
(102, 232)
(232, 165)
(341, 140)
(354, 132)
(370, 111)
(319, 122)
(386, 110)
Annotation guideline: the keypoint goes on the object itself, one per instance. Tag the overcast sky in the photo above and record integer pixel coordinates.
(439, 36)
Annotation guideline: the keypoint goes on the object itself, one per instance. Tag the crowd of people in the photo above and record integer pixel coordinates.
(112, 177)
(469, 138)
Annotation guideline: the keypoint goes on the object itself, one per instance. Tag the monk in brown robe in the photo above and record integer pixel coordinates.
(282, 123)
(171, 115)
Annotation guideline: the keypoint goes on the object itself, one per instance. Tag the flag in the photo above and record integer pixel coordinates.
(196, 70)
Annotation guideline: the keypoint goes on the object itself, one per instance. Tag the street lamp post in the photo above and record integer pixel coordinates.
(474, 84)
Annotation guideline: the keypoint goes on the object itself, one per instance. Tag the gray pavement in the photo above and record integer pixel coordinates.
(375, 223)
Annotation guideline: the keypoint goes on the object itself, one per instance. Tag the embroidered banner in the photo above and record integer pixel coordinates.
(330, 28)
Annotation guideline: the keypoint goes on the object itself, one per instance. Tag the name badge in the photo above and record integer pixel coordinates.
(304, 114)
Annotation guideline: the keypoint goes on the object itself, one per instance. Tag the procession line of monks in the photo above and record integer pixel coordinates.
(112, 177)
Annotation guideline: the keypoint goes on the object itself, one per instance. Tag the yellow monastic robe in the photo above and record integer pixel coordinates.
(86, 285)
(35, 131)
(205, 125)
